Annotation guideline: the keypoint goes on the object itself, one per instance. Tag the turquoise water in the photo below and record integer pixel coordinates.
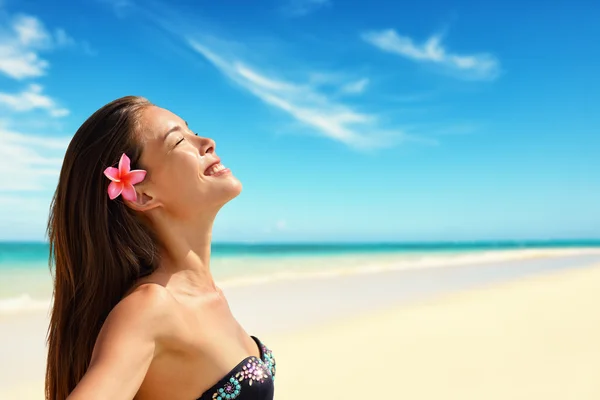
(25, 275)
(30, 254)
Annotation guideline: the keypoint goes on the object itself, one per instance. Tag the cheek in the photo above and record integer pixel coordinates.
(182, 176)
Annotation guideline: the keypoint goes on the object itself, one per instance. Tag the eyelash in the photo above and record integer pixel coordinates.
(182, 139)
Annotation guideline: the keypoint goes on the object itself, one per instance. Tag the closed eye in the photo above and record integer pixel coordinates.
(183, 138)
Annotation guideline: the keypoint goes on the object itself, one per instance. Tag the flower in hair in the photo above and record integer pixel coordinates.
(123, 179)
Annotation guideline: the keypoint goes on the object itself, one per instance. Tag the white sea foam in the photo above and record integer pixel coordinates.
(331, 267)
(401, 262)
(21, 304)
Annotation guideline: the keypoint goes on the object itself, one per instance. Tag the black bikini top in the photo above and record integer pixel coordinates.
(251, 379)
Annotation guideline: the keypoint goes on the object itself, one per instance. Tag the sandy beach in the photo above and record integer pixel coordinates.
(521, 329)
(532, 339)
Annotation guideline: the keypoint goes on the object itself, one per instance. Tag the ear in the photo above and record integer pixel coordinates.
(143, 202)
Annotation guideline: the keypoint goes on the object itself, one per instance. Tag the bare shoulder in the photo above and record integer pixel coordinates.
(147, 310)
(130, 339)
(149, 300)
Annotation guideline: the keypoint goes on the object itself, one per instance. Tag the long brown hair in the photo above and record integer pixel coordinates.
(98, 246)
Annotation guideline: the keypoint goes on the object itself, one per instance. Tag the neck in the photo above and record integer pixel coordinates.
(185, 253)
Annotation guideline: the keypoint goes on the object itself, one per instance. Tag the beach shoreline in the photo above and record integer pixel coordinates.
(298, 316)
(30, 289)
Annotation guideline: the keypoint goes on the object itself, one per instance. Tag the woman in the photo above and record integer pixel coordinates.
(136, 311)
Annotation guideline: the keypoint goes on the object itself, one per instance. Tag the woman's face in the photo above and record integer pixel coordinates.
(185, 176)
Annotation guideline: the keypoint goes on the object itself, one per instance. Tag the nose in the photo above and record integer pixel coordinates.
(207, 146)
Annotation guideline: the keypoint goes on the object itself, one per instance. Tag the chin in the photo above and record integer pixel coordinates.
(234, 188)
(227, 189)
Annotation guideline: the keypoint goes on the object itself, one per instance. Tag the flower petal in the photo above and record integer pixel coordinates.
(112, 173)
(124, 164)
(129, 192)
(115, 189)
(136, 176)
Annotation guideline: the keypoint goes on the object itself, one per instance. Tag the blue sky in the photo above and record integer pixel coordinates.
(354, 120)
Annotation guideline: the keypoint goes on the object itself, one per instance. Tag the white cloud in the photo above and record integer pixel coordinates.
(19, 64)
(30, 31)
(21, 44)
(29, 162)
(30, 99)
(355, 87)
(300, 8)
(313, 102)
(472, 66)
(305, 104)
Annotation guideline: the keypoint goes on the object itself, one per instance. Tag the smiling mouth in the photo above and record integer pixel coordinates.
(215, 170)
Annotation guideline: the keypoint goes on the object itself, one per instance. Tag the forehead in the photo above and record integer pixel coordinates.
(156, 122)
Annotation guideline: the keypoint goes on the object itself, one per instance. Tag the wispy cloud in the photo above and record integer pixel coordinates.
(22, 39)
(355, 87)
(29, 159)
(300, 8)
(469, 66)
(305, 104)
(31, 99)
(32, 160)
(310, 98)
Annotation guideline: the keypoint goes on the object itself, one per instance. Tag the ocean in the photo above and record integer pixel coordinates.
(26, 281)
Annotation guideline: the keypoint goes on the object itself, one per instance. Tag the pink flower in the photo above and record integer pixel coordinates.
(123, 179)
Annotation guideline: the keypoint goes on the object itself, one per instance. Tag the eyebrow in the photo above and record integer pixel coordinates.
(174, 129)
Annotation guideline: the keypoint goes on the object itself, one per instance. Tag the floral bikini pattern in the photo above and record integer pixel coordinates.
(253, 370)
(269, 360)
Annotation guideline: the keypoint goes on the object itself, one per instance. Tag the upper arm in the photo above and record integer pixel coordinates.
(125, 347)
